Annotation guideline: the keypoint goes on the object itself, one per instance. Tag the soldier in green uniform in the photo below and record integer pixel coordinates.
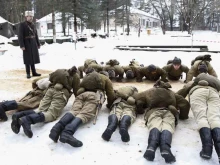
(89, 100)
(175, 69)
(197, 63)
(205, 105)
(161, 113)
(151, 72)
(52, 104)
(89, 63)
(30, 101)
(114, 70)
(123, 113)
(129, 70)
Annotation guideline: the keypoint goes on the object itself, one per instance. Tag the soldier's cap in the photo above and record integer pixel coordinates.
(130, 74)
(72, 70)
(176, 61)
(104, 73)
(202, 68)
(111, 73)
(89, 70)
(29, 13)
(151, 68)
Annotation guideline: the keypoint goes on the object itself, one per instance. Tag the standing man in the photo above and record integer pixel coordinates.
(29, 43)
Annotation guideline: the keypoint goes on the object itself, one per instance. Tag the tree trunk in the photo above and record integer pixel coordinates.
(54, 26)
(74, 12)
(107, 17)
(127, 17)
(64, 23)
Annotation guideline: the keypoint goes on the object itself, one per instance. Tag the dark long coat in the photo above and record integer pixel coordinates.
(30, 54)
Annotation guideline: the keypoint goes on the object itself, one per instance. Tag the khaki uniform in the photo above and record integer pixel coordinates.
(91, 95)
(143, 72)
(114, 65)
(89, 63)
(204, 100)
(162, 105)
(174, 74)
(58, 94)
(32, 99)
(194, 72)
(133, 64)
(122, 105)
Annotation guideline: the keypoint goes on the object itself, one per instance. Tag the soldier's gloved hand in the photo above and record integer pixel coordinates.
(207, 57)
(142, 65)
(185, 81)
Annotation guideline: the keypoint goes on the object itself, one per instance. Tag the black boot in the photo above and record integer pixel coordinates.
(165, 145)
(207, 144)
(112, 125)
(58, 127)
(7, 106)
(34, 73)
(67, 134)
(153, 143)
(26, 122)
(28, 71)
(216, 139)
(15, 126)
(123, 128)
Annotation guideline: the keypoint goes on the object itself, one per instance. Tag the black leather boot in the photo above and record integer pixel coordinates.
(216, 139)
(112, 125)
(207, 144)
(165, 145)
(7, 106)
(153, 143)
(59, 126)
(123, 128)
(34, 73)
(67, 134)
(15, 126)
(26, 122)
(27, 67)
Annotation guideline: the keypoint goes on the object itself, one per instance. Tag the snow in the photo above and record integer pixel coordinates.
(19, 150)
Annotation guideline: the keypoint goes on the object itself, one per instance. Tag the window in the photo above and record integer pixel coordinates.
(143, 22)
(70, 25)
(49, 26)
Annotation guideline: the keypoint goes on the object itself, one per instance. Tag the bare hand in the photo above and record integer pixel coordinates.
(23, 48)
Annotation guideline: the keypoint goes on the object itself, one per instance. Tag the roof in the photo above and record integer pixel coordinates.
(2, 20)
(141, 12)
(58, 16)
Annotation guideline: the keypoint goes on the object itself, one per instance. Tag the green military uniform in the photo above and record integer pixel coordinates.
(133, 64)
(174, 74)
(114, 65)
(89, 63)
(160, 117)
(58, 94)
(32, 99)
(91, 93)
(194, 72)
(143, 72)
(205, 105)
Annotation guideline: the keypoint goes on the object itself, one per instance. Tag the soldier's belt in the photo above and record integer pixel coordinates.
(29, 37)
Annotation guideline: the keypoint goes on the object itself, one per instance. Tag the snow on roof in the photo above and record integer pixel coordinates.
(137, 11)
(2, 20)
(58, 16)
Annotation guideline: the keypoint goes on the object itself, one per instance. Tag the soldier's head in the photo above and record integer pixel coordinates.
(111, 73)
(152, 69)
(72, 70)
(176, 63)
(161, 84)
(29, 16)
(130, 74)
(202, 68)
(89, 70)
(104, 73)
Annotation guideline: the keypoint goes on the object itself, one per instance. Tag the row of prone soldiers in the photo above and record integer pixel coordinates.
(173, 70)
(162, 108)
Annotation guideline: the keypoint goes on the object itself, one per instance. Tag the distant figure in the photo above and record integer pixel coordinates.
(174, 69)
(29, 43)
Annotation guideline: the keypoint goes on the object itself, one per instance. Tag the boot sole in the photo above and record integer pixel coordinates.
(124, 135)
(53, 137)
(15, 126)
(27, 133)
(168, 158)
(149, 155)
(65, 140)
(107, 135)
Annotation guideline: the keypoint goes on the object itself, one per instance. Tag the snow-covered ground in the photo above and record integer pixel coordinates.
(18, 149)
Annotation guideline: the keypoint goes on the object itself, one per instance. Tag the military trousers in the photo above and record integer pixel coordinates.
(86, 104)
(121, 109)
(162, 120)
(53, 103)
(31, 100)
(205, 105)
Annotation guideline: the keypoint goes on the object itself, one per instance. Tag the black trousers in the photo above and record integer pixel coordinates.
(28, 68)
